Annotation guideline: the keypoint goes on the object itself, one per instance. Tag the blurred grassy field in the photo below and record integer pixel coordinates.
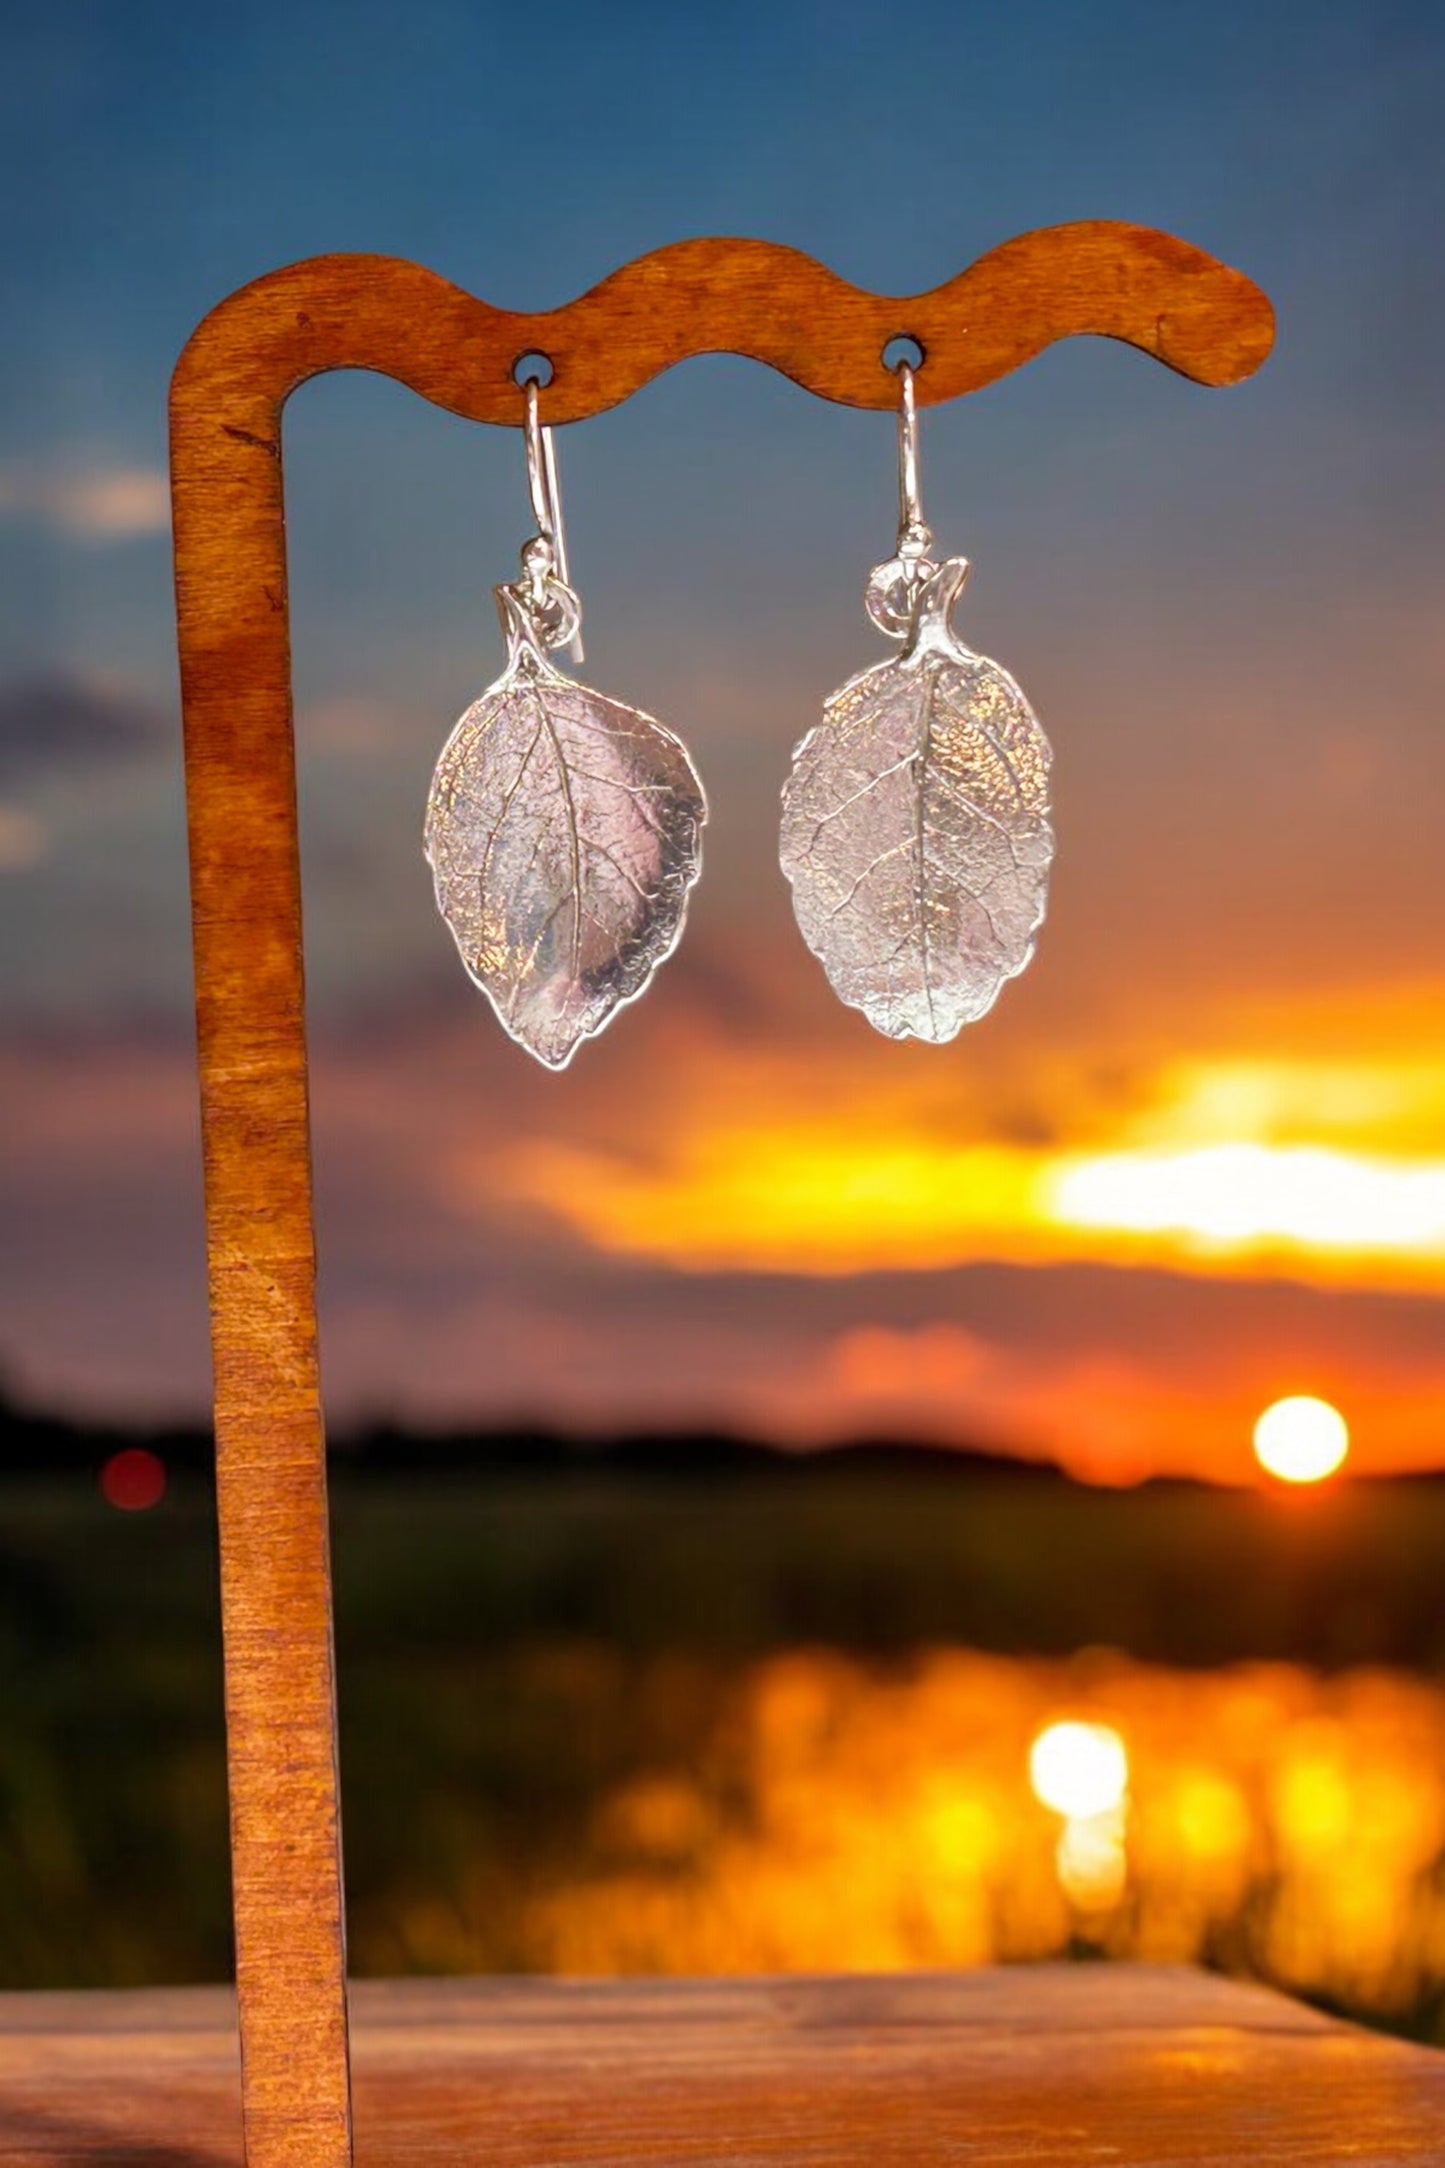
(542, 1679)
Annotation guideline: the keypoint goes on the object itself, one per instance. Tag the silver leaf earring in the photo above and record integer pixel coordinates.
(915, 820)
(564, 829)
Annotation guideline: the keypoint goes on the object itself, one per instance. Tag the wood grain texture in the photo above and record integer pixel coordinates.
(1070, 2066)
(270, 1449)
(774, 304)
(230, 385)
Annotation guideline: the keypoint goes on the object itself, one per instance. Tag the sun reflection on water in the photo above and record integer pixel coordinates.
(1081, 1770)
(1266, 1819)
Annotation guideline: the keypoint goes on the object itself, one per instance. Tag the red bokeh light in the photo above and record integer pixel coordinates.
(133, 1480)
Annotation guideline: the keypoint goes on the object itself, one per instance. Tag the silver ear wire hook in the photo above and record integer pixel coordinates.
(914, 536)
(546, 497)
(891, 597)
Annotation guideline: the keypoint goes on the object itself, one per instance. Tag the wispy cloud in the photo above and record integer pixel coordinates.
(24, 839)
(58, 722)
(91, 504)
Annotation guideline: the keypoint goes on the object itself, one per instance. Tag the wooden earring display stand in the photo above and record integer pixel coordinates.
(365, 312)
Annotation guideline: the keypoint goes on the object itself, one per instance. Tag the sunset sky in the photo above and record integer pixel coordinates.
(1193, 1161)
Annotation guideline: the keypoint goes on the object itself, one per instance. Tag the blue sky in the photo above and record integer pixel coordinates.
(1224, 605)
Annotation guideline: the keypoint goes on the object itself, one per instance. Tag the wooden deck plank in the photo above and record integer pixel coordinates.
(1131, 2065)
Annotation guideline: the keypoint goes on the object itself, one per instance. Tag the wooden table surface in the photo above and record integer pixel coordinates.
(1069, 2064)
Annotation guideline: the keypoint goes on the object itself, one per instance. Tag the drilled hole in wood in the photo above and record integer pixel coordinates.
(904, 348)
(532, 368)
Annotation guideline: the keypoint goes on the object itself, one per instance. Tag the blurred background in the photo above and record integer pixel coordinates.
(800, 1500)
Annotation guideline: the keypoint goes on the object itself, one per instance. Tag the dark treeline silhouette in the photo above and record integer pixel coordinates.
(37, 1441)
(41, 1441)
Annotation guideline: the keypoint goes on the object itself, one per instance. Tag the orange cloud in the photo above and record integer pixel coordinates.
(1106, 1415)
(1319, 1170)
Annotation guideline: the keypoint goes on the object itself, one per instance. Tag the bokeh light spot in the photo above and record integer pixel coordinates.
(1080, 1770)
(1301, 1439)
(1090, 1860)
(133, 1480)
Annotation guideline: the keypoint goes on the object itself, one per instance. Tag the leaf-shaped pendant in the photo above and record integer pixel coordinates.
(915, 822)
(564, 831)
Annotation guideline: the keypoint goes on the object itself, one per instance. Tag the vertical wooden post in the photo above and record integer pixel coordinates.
(270, 1446)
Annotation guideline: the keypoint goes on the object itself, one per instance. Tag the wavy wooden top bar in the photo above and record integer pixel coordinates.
(739, 297)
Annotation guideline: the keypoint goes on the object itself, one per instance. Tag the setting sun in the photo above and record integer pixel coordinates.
(1301, 1439)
